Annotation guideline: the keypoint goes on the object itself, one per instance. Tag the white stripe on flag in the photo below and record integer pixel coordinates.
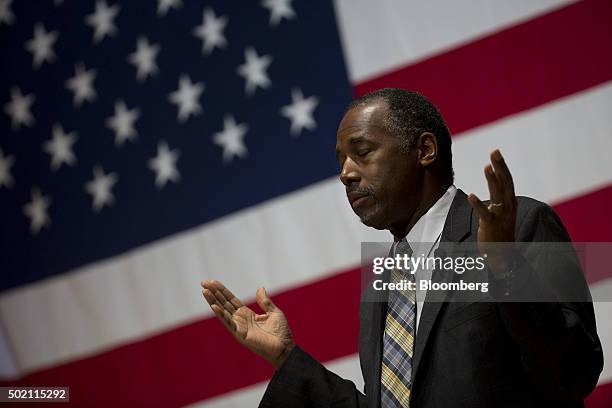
(379, 36)
(603, 311)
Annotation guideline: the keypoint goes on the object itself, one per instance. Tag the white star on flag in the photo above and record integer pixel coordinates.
(19, 108)
(144, 58)
(231, 139)
(279, 9)
(102, 20)
(122, 123)
(164, 5)
(164, 165)
(41, 45)
(254, 70)
(6, 178)
(36, 211)
(186, 98)
(100, 188)
(60, 147)
(6, 14)
(82, 85)
(300, 112)
(211, 31)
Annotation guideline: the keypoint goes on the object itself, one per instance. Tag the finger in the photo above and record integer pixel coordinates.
(223, 316)
(212, 284)
(227, 305)
(206, 283)
(220, 309)
(215, 285)
(508, 176)
(502, 172)
(264, 301)
(497, 166)
(493, 184)
(481, 209)
(231, 298)
(228, 318)
(210, 298)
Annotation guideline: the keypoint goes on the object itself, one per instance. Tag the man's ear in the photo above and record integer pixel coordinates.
(428, 148)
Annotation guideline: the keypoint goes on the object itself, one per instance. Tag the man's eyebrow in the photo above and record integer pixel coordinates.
(357, 139)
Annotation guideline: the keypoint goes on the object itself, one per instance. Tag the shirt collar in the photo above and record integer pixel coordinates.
(429, 227)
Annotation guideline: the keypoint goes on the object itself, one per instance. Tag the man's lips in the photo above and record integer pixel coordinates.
(357, 199)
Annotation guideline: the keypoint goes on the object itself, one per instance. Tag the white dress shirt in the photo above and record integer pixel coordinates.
(424, 239)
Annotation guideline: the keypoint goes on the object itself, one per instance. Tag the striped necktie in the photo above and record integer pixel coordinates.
(398, 339)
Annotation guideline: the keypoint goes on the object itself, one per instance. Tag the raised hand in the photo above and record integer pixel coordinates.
(498, 219)
(266, 334)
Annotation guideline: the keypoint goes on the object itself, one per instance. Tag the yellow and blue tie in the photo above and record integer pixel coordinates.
(398, 339)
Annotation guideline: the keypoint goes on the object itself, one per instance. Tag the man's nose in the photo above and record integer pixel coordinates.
(349, 173)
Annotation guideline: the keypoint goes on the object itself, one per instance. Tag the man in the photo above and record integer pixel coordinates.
(394, 151)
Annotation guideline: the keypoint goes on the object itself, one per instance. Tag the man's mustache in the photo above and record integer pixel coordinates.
(367, 190)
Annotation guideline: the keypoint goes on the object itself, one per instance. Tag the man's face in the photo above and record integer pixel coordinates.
(383, 184)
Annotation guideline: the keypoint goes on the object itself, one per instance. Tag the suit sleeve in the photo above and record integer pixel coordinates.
(303, 382)
(557, 340)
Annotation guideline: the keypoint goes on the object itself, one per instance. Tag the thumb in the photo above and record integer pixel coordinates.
(481, 209)
(264, 301)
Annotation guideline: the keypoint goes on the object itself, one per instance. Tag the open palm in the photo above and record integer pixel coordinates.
(266, 334)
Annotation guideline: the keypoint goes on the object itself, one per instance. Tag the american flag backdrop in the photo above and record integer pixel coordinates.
(147, 145)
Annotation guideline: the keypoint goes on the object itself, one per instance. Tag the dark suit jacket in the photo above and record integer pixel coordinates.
(473, 353)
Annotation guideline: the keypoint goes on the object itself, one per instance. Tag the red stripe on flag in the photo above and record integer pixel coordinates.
(587, 217)
(601, 397)
(555, 55)
(202, 360)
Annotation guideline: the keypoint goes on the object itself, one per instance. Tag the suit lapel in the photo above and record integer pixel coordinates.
(456, 228)
(373, 311)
